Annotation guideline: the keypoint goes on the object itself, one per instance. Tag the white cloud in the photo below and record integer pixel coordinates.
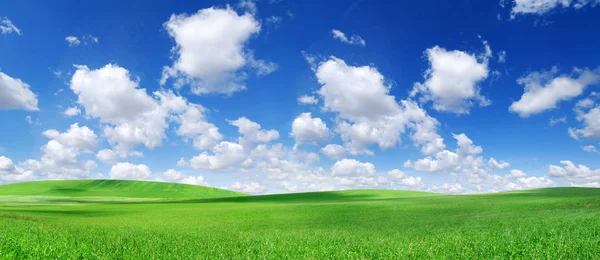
(578, 175)
(465, 164)
(403, 179)
(72, 111)
(194, 125)
(6, 26)
(502, 56)
(225, 156)
(15, 94)
(554, 121)
(181, 162)
(6, 165)
(544, 90)
(132, 116)
(252, 187)
(210, 50)
(252, 132)
(9, 172)
(591, 124)
(333, 151)
(106, 156)
(498, 165)
(451, 82)
(30, 121)
(448, 188)
(109, 94)
(175, 176)
(128, 171)
(367, 113)
(541, 7)
(535, 182)
(72, 40)
(354, 39)
(60, 155)
(589, 149)
(306, 129)
(351, 167)
(516, 174)
(308, 100)
(247, 6)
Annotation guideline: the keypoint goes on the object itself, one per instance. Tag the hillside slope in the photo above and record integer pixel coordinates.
(114, 188)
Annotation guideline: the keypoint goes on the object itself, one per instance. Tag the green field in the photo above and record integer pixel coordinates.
(126, 219)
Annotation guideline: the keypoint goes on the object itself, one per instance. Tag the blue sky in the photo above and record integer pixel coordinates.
(462, 97)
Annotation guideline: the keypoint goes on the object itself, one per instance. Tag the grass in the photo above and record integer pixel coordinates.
(557, 223)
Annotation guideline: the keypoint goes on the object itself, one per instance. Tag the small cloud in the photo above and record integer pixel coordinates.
(502, 56)
(308, 100)
(554, 121)
(72, 40)
(354, 40)
(76, 41)
(6, 26)
(589, 149)
(30, 121)
(72, 111)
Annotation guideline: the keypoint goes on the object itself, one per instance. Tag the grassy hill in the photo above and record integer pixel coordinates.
(114, 188)
(556, 223)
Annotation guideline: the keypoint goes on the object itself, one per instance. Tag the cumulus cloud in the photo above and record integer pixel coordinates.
(498, 165)
(133, 117)
(15, 94)
(9, 172)
(351, 167)
(7, 27)
(128, 171)
(541, 7)
(60, 159)
(535, 182)
(307, 100)
(545, 89)
(367, 114)
(251, 187)
(577, 175)
(399, 177)
(107, 156)
(71, 111)
(195, 126)
(448, 188)
(172, 175)
(467, 166)
(591, 124)
(210, 52)
(354, 39)
(451, 82)
(306, 129)
(252, 132)
(225, 156)
(333, 151)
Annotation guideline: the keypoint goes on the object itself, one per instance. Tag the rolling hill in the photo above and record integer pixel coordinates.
(553, 223)
(114, 188)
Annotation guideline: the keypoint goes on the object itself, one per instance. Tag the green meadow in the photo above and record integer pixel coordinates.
(104, 219)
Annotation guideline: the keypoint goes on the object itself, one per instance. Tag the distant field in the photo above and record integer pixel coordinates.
(108, 220)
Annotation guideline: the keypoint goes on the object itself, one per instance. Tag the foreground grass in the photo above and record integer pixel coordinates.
(549, 223)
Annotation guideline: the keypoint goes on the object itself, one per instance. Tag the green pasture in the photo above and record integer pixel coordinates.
(146, 220)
